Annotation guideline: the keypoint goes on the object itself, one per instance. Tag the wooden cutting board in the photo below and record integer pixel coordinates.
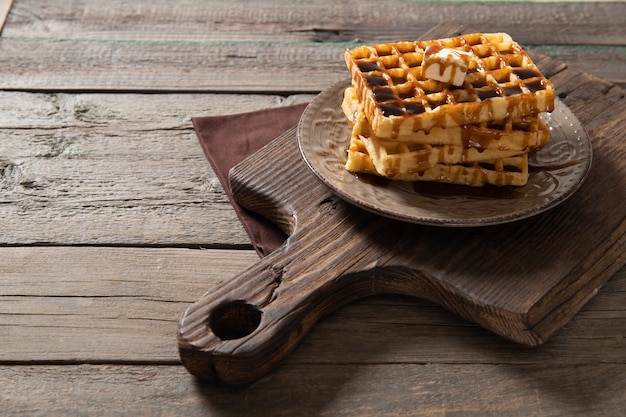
(523, 280)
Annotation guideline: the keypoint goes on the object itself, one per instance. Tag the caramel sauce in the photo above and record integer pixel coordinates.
(525, 73)
(485, 93)
(391, 109)
(414, 108)
(444, 64)
(367, 66)
(373, 179)
(479, 82)
(513, 90)
(443, 191)
(480, 141)
(432, 49)
(536, 85)
(384, 94)
(375, 80)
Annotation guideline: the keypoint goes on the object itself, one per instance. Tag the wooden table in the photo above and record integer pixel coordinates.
(112, 222)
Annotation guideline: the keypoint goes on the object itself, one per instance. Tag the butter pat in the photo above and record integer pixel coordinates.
(445, 64)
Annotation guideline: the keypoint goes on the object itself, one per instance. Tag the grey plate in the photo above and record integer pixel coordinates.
(558, 171)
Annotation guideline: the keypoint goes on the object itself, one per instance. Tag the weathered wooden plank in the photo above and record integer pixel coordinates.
(607, 63)
(567, 23)
(132, 112)
(163, 66)
(203, 46)
(542, 390)
(114, 169)
(120, 305)
(102, 304)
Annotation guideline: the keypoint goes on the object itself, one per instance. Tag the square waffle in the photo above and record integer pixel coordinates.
(506, 135)
(503, 171)
(501, 83)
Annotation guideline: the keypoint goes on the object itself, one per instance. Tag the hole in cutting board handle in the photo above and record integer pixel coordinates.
(234, 320)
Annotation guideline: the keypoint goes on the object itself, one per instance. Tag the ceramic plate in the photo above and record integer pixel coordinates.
(557, 171)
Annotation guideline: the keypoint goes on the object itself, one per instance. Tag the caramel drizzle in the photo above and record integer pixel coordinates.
(390, 104)
(444, 64)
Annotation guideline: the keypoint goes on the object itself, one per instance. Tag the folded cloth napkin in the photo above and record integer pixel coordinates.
(228, 140)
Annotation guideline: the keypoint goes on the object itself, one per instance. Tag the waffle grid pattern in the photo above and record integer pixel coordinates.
(502, 82)
(502, 171)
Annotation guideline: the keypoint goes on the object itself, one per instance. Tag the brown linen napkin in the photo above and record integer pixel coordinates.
(227, 140)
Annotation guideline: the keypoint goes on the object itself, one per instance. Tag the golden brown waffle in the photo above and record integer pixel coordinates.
(501, 83)
(503, 171)
(507, 135)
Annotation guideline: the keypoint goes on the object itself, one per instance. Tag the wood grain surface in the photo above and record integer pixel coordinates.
(229, 46)
(111, 222)
(107, 169)
(421, 389)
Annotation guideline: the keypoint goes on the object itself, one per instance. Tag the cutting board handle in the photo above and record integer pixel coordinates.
(240, 330)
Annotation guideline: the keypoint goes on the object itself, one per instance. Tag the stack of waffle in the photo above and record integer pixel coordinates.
(409, 127)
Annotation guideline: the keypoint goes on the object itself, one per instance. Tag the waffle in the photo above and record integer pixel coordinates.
(506, 135)
(501, 83)
(502, 171)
